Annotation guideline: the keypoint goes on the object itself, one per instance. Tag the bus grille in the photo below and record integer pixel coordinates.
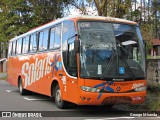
(116, 100)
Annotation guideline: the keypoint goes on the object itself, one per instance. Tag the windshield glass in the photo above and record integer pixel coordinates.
(110, 50)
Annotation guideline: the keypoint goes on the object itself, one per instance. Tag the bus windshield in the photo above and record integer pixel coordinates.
(111, 51)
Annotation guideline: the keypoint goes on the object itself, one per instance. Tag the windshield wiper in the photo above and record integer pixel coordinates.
(111, 61)
(109, 65)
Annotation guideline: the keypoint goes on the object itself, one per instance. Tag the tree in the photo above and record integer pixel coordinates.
(44, 11)
(18, 16)
(156, 16)
(13, 18)
(115, 8)
(82, 6)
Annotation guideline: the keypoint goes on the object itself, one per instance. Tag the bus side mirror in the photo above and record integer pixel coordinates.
(77, 46)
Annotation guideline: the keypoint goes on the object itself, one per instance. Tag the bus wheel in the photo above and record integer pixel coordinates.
(20, 86)
(108, 106)
(59, 102)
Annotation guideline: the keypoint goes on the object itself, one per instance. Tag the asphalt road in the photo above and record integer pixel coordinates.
(15, 104)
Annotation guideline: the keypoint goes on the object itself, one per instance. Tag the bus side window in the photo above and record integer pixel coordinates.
(33, 43)
(14, 48)
(25, 44)
(52, 38)
(19, 46)
(55, 37)
(43, 40)
(10, 49)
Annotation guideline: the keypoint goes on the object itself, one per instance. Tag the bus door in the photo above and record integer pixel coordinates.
(72, 71)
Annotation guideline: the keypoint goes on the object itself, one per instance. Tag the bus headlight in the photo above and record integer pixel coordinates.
(140, 89)
(89, 89)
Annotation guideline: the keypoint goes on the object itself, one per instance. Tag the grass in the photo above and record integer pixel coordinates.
(152, 102)
(153, 57)
(3, 78)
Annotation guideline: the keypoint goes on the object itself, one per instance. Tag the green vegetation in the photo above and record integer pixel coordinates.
(152, 102)
(19, 16)
(3, 76)
(153, 57)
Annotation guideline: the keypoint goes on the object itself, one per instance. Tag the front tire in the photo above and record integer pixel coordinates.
(58, 100)
(22, 91)
(108, 106)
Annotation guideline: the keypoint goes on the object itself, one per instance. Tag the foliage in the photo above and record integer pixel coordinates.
(18, 16)
(13, 18)
(147, 34)
(115, 8)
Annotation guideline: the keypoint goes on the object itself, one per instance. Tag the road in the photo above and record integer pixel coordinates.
(12, 101)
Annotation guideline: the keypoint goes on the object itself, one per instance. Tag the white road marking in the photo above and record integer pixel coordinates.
(31, 99)
(114, 118)
(94, 119)
(119, 118)
(11, 90)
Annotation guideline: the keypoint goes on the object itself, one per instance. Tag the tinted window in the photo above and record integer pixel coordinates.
(33, 43)
(19, 46)
(14, 48)
(52, 38)
(43, 40)
(55, 37)
(10, 48)
(69, 56)
(25, 44)
(71, 53)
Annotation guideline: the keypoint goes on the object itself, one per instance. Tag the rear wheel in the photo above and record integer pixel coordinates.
(22, 91)
(58, 100)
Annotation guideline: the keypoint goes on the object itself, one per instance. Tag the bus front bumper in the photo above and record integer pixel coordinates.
(88, 98)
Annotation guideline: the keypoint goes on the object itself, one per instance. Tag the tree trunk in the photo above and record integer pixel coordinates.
(144, 10)
(106, 8)
(97, 3)
(0, 50)
(131, 10)
(148, 11)
(135, 7)
(140, 13)
(114, 8)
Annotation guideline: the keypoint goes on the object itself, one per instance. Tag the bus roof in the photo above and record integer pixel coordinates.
(77, 17)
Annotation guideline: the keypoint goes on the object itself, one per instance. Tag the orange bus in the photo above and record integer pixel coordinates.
(86, 60)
